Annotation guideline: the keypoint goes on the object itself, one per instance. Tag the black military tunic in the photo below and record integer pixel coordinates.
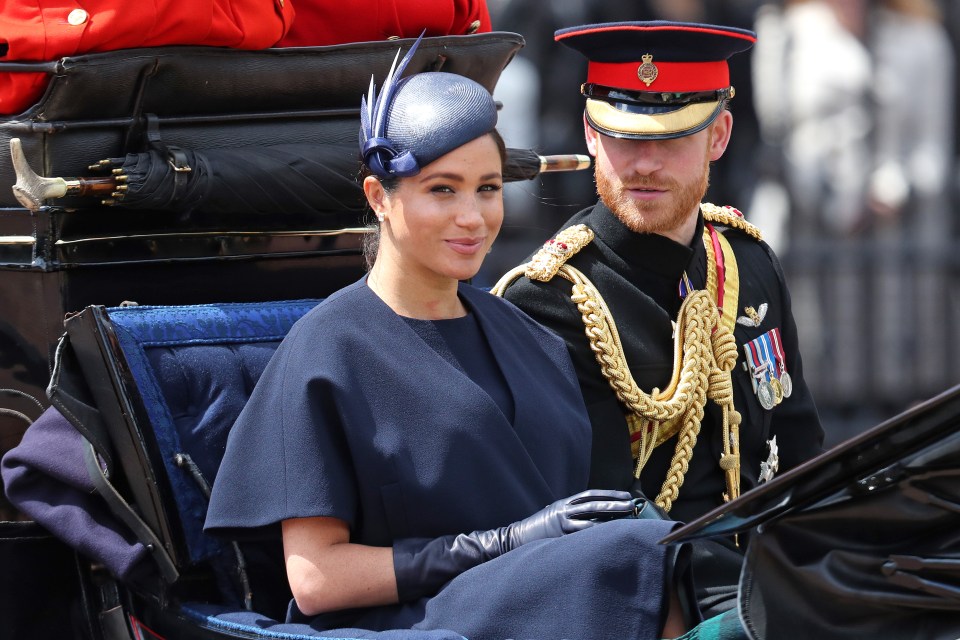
(638, 277)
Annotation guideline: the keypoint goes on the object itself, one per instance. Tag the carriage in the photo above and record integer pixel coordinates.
(297, 238)
(144, 324)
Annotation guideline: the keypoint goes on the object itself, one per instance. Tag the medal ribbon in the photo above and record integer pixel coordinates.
(721, 270)
(765, 360)
(751, 362)
(778, 350)
(757, 359)
(766, 341)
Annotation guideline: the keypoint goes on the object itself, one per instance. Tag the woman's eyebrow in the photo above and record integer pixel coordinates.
(456, 177)
(444, 175)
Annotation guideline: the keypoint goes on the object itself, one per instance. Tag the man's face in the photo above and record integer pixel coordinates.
(655, 186)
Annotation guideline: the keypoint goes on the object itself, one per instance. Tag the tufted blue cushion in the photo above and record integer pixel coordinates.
(244, 623)
(195, 367)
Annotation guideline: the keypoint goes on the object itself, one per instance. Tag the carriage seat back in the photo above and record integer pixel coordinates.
(169, 382)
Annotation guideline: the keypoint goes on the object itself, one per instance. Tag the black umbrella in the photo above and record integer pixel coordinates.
(303, 178)
(255, 180)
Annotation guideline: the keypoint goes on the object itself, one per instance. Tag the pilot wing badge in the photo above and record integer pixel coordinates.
(753, 317)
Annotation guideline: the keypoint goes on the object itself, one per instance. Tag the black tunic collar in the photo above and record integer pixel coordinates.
(650, 251)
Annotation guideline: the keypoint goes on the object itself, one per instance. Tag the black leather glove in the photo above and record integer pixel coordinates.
(423, 565)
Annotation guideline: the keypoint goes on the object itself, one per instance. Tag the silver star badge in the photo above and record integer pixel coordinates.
(772, 464)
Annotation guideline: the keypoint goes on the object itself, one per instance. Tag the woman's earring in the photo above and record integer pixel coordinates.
(380, 216)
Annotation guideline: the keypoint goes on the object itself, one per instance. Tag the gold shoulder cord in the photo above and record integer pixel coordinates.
(705, 353)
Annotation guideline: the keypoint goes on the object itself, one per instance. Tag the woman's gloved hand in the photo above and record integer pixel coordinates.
(423, 565)
(565, 516)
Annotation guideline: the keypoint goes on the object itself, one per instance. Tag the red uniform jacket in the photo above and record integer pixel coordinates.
(41, 30)
(321, 22)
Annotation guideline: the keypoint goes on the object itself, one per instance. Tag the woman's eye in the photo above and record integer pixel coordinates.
(491, 187)
(441, 188)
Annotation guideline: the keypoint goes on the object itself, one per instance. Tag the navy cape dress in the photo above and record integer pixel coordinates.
(356, 417)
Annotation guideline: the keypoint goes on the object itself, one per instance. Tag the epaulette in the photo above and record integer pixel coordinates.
(556, 251)
(729, 217)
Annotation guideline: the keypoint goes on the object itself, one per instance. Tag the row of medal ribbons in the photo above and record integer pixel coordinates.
(767, 365)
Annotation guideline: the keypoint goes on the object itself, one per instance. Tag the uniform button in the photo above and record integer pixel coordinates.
(473, 27)
(77, 17)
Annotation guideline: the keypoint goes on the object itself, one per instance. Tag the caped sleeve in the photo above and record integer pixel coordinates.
(286, 456)
(549, 303)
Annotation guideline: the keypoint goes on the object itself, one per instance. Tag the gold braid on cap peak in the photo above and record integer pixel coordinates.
(705, 353)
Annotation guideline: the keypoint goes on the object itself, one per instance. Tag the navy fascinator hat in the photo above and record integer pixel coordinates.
(415, 120)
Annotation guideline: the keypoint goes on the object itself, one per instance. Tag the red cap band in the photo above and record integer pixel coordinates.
(674, 77)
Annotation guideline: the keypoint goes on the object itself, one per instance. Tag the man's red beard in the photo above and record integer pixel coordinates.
(649, 217)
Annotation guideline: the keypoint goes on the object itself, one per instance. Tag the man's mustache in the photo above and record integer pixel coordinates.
(648, 183)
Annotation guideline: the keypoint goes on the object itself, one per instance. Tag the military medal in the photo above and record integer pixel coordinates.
(764, 368)
(765, 395)
(786, 382)
(777, 390)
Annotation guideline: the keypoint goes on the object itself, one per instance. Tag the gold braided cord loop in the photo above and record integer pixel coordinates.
(601, 331)
(716, 353)
(501, 286)
(705, 353)
(682, 454)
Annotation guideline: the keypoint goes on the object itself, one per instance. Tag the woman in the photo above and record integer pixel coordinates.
(410, 429)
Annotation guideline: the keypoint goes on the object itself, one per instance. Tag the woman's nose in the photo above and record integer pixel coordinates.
(470, 212)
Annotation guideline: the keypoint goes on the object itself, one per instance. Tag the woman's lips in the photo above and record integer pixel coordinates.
(466, 246)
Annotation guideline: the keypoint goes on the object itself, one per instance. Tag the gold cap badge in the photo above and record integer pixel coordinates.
(647, 71)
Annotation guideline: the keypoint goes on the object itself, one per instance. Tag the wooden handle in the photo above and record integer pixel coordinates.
(564, 162)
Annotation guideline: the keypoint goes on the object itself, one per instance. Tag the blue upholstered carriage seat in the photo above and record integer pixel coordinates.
(195, 367)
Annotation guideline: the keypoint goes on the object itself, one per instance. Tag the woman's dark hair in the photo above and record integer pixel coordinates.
(371, 240)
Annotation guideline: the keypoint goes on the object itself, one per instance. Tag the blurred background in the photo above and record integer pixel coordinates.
(844, 153)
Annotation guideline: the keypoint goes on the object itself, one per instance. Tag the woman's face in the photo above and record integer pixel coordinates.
(439, 224)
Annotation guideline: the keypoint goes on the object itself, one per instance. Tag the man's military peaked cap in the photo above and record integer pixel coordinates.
(659, 79)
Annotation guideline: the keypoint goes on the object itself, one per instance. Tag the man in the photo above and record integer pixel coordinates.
(675, 312)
